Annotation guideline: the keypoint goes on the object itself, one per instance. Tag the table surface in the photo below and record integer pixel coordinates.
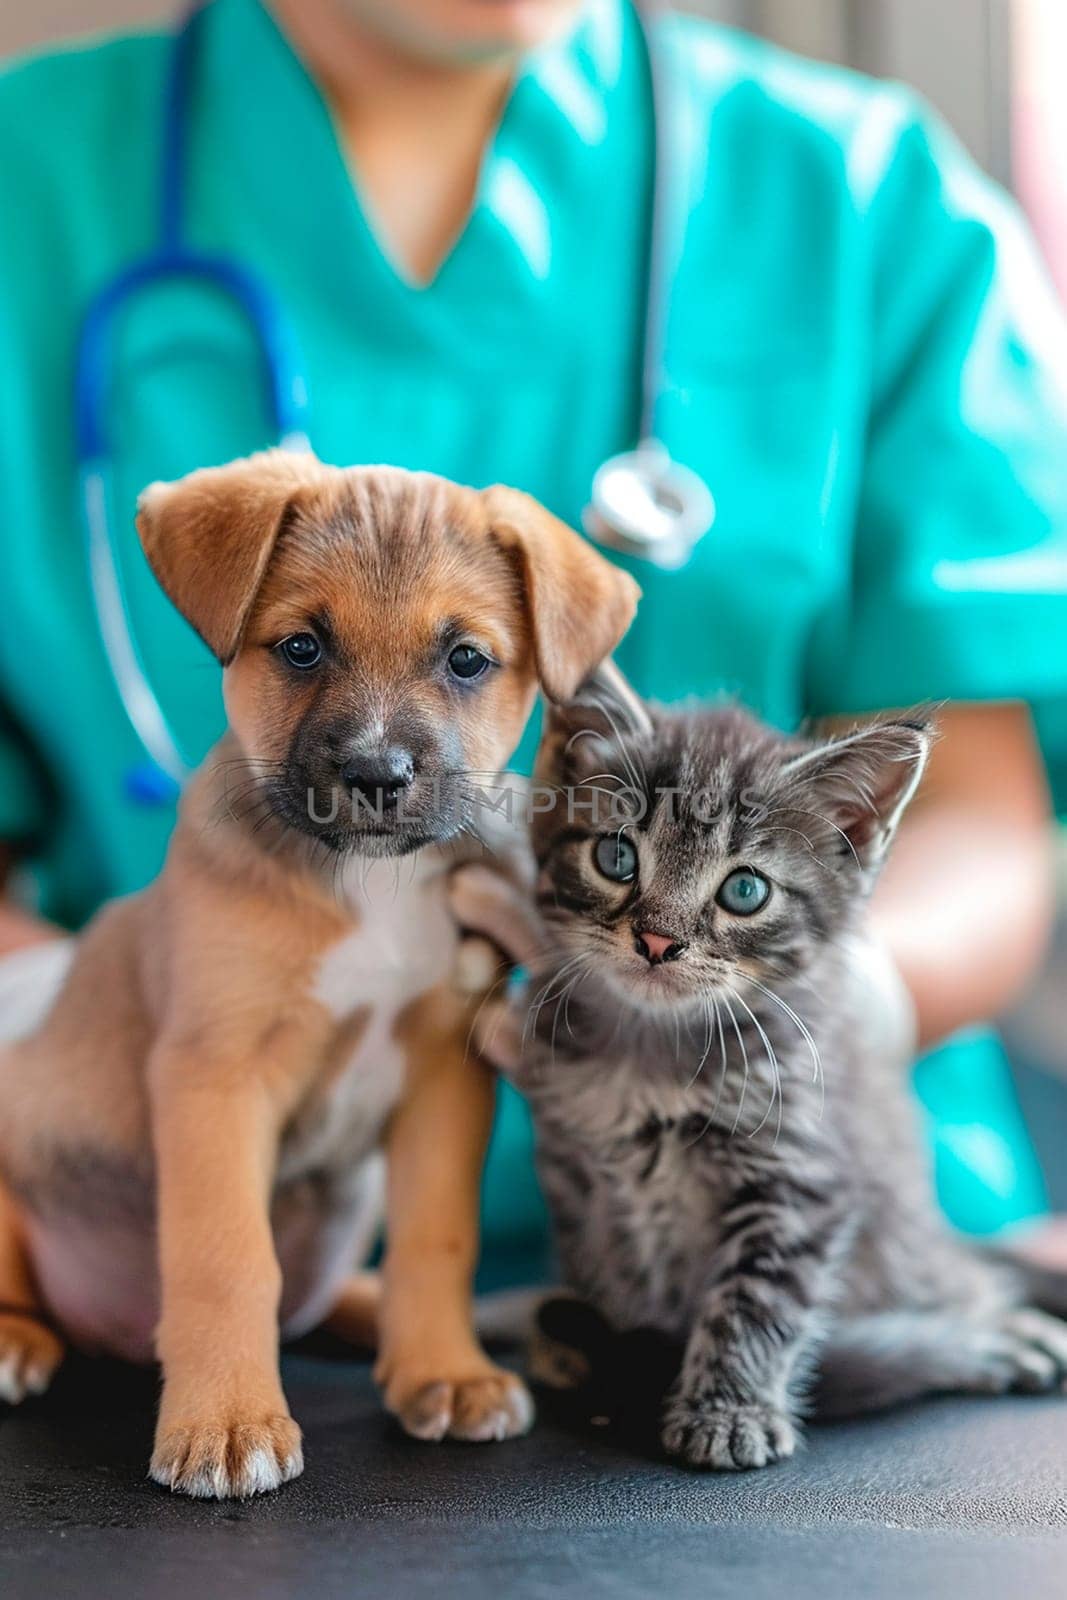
(963, 1498)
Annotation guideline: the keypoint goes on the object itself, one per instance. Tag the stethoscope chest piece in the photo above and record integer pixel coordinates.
(645, 504)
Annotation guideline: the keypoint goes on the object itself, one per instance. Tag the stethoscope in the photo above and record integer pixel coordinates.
(642, 502)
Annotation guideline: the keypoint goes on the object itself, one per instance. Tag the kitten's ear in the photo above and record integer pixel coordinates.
(860, 784)
(605, 712)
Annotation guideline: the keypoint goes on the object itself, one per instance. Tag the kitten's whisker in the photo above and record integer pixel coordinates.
(804, 812)
(744, 1058)
(583, 972)
(489, 994)
(639, 781)
(713, 1113)
(630, 757)
(594, 777)
(772, 1062)
(724, 1068)
(561, 1002)
(780, 827)
(801, 1025)
(624, 756)
(543, 996)
(707, 1044)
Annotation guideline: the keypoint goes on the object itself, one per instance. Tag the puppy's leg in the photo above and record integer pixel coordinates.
(436, 1378)
(29, 1351)
(224, 1426)
(356, 1315)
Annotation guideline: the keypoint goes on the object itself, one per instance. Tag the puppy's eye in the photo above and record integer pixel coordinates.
(301, 650)
(466, 662)
(743, 892)
(616, 858)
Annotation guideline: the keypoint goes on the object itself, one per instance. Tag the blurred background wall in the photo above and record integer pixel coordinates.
(25, 24)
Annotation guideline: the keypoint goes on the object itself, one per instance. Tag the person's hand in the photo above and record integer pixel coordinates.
(19, 929)
(1043, 1241)
(34, 957)
(887, 1010)
(490, 906)
(500, 929)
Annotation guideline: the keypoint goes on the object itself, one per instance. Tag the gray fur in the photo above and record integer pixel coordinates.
(727, 1141)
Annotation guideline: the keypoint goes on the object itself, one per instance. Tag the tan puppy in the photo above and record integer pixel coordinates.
(184, 1143)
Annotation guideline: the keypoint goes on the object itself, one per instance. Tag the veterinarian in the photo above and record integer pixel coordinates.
(452, 202)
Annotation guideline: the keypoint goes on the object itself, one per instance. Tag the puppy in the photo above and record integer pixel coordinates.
(185, 1140)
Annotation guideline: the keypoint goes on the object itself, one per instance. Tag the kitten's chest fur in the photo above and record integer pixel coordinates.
(638, 1160)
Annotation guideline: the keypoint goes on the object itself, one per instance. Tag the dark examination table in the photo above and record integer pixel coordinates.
(966, 1500)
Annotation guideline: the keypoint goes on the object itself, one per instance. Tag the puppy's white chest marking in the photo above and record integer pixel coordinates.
(404, 944)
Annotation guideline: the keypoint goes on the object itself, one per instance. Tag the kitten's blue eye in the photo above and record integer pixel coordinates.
(301, 650)
(466, 662)
(616, 858)
(743, 892)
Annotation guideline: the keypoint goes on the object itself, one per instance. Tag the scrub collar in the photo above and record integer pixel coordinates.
(546, 176)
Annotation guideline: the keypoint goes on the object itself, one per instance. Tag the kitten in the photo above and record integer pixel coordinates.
(717, 1063)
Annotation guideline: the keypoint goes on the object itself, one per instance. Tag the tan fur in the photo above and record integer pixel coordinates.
(556, 569)
(185, 1141)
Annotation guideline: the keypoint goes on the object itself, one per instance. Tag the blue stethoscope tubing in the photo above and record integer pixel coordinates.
(157, 777)
(642, 502)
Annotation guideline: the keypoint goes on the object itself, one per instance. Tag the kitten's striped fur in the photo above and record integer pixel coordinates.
(727, 1140)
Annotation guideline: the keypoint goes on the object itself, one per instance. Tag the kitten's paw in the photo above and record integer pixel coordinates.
(1026, 1353)
(29, 1355)
(218, 1460)
(726, 1438)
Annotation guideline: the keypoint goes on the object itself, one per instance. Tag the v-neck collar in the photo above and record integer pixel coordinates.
(280, 135)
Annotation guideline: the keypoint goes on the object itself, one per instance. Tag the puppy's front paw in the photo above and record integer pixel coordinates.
(724, 1437)
(220, 1460)
(484, 1404)
(29, 1355)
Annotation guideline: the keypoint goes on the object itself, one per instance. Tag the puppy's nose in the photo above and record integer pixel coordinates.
(657, 947)
(380, 779)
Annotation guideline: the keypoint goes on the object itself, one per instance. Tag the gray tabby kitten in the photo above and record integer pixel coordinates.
(717, 1064)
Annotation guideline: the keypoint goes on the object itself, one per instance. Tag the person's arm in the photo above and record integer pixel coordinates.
(18, 927)
(965, 903)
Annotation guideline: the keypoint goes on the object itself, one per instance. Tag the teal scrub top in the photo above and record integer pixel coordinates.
(862, 360)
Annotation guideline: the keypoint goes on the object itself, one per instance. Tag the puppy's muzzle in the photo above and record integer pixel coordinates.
(379, 782)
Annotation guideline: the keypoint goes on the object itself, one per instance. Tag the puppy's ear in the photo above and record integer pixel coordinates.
(209, 536)
(580, 604)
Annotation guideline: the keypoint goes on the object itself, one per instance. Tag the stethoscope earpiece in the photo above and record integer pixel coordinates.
(646, 504)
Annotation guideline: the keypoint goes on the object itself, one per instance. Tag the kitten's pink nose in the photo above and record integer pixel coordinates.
(657, 947)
